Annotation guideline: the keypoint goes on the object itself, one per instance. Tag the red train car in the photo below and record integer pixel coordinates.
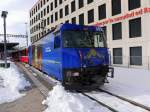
(20, 55)
(23, 55)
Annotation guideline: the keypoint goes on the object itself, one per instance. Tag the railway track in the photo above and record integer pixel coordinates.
(115, 103)
(127, 100)
(135, 106)
(101, 103)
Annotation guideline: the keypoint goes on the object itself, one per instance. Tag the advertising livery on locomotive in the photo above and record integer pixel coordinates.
(72, 54)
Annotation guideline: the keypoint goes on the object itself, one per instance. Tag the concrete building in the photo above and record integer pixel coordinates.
(125, 22)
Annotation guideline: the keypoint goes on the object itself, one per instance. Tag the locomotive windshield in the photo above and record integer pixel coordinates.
(77, 39)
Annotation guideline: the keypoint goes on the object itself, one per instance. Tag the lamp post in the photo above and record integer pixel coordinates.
(27, 33)
(4, 16)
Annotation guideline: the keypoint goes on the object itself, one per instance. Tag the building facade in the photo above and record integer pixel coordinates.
(125, 22)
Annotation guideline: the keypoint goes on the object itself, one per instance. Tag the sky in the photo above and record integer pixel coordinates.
(18, 15)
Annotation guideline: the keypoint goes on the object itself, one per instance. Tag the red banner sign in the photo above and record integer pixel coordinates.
(125, 16)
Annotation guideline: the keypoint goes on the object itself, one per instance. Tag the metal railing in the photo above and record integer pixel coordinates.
(131, 61)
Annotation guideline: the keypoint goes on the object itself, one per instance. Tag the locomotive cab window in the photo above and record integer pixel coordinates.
(57, 42)
(83, 39)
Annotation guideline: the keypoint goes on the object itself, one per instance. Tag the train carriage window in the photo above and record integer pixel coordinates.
(83, 39)
(57, 42)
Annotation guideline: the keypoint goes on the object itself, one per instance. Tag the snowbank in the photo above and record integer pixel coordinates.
(60, 100)
(11, 82)
(131, 83)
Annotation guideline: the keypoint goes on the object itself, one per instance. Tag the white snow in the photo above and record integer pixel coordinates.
(116, 103)
(128, 82)
(131, 83)
(11, 82)
(60, 100)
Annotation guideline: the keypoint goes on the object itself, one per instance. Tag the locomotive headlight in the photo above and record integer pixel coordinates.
(76, 74)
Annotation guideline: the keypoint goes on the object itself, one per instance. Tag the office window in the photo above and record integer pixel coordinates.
(48, 21)
(55, 3)
(38, 6)
(34, 19)
(61, 13)
(41, 14)
(73, 6)
(52, 19)
(41, 3)
(73, 20)
(36, 9)
(38, 16)
(67, 21)
(89, 1)
(56, 16)
(44, 2)
(102, 11)
(42, 26)
(51, 6)
(135, 28)
(135, 55)
(48, 9)
(44, 22)
(117, 31)
(81, 19)
(81, 3)
(44, 12)
(30, 14)
(117, 55)
(116, 7)
(91, 16)
(60, 1)
(66, 10)
(133, 4)
(39, 26)
(32, 22)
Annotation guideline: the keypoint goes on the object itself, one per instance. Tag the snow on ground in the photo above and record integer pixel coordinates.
(131, 83)
(128, 82)
(60, 100)
(11, 82)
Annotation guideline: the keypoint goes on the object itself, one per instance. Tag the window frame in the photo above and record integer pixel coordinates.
(116, 7)
(118, 56)
(135, 28)
(133, 58)
(73, 6)
(81, 19)
(102, 8)
(133, 6)
(117, 28)
(91, 16)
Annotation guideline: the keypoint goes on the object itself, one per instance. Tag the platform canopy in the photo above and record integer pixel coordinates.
(9, 46)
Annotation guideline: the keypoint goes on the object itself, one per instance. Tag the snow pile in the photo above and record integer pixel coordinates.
(60, 100)
(11, 82)
(131, 83)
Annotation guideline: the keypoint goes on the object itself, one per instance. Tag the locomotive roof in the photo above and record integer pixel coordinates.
(68, 26)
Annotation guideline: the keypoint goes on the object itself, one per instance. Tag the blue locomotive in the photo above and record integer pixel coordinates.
(72, 54)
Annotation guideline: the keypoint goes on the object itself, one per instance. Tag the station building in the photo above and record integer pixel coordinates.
(126, 24)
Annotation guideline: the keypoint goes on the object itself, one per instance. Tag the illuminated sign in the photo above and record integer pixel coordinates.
(131, 14)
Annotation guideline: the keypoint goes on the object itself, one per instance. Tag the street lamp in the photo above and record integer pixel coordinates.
(4, 16)
(27, 33)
